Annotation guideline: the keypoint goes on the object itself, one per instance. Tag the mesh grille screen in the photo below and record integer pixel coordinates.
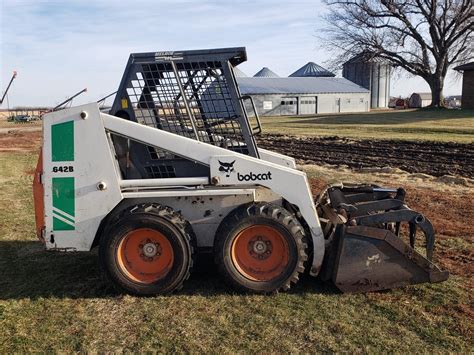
(156, 95)
(160, 171)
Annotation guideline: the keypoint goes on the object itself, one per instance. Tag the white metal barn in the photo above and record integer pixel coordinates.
(303, 95)
(420, 99)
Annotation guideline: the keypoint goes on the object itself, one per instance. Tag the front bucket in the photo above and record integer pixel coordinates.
(364, 258)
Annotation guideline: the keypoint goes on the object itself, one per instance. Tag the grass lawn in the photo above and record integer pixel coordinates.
(425, 124)
(51, 301)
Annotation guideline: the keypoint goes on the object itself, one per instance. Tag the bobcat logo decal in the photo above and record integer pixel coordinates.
(226, 168)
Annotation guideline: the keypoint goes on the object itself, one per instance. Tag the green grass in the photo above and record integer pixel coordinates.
(425, 124)
(58, 302)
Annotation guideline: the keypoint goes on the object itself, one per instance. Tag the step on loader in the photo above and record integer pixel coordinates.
(174, 170)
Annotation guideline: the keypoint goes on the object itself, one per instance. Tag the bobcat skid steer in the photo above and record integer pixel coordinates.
(174, 170)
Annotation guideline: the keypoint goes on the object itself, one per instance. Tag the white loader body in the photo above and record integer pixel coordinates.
(83, 183)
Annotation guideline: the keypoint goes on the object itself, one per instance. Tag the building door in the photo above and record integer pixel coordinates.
(308, 105)
(289, 106)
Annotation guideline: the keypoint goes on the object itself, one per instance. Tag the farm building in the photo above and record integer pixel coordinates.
(372, 74)
(304, 95)
(419, 99)
(467, 84)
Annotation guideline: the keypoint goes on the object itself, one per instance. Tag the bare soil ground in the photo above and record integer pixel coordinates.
(19, 140)
(433, 158)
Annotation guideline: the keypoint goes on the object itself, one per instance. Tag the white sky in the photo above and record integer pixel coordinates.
(60, 47)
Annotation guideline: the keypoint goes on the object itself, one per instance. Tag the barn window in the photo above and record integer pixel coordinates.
(267, 105)
(282, 103)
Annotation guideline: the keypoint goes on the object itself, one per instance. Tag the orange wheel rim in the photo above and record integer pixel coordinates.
(145, 255)
(260, 253)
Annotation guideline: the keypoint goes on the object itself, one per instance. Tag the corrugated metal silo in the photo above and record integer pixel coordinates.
(371, 73)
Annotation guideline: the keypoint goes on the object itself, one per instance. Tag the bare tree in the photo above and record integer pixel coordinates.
(424, 37)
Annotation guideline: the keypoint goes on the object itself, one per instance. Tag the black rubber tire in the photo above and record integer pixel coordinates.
(266, 214)
(153, 216)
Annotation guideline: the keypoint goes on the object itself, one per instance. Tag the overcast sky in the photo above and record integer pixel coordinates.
(60, 47)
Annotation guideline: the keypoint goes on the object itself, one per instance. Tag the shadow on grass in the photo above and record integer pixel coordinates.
(388, 117)
(28, 271)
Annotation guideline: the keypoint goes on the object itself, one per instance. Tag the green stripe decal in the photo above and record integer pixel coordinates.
(63, 216)
(62, 141)
(63, 200)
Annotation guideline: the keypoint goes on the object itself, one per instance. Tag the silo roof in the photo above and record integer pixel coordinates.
(296, 85)
(312, 69)
(239, 73)
(366, 57)
(266, 73)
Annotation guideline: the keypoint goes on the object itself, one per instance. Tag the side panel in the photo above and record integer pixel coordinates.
(76, 158)
(204, 212)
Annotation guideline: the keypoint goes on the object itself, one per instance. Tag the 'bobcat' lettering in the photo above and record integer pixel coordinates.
(254, 177)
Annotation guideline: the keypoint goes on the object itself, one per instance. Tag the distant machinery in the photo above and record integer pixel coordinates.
(8, 87)
(372, 74)
(63, 104)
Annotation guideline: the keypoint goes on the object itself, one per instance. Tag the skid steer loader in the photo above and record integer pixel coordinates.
(174, 169)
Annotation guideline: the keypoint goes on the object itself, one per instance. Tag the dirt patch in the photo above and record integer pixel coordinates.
(433, 158)
(451, 218)
(20, 141)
